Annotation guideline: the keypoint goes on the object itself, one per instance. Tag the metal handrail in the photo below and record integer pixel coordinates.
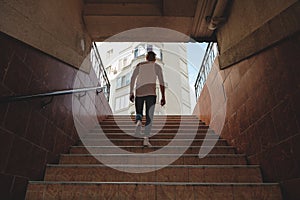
(49, 94)
(102, 71)
(205, 68)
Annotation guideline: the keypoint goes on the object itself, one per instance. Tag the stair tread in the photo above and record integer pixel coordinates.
(153, 183)
(154, 125)
(210, 132)
(133, 128)
(131, 116)
(155, 118)
(158, 134)
(154, 122)
(150, 147)
(154, 166)
(142, 154)
(141, 139)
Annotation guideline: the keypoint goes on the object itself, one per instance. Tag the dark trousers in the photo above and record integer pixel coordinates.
(150, 106)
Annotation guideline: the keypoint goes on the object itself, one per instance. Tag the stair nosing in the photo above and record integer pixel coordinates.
(160, 134)
(208, 132)
(157, 183)
(141, 154)
(141, 139)
(229, 147)
(133, 128)
(153, 166)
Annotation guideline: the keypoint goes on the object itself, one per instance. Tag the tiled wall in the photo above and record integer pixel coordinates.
(31, 136)
(263, 112)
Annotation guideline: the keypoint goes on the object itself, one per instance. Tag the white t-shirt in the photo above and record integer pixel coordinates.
(145, 74)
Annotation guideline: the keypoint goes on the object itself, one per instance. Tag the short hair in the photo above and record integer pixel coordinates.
(151, 56)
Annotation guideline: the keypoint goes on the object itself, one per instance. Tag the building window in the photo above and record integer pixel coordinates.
(120, 64)
(109, 54)
(108, 69)
(123, 62)
(141, 51)
(136, 53)
(149, 47)
(183, 66)
(158, 53)
(122, 102)
(123, 80)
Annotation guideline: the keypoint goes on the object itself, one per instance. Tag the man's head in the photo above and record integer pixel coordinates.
(151, 56)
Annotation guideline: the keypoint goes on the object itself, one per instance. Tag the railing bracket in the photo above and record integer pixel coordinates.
(99, 91)
(80, 95)
(45, 103)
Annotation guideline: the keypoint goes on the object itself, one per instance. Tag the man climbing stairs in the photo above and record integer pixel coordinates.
(110, 163)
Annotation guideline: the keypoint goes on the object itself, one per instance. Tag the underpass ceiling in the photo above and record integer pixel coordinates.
(105, 18)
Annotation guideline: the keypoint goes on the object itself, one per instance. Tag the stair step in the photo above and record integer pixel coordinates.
(154, 123)
(156, 116)
(188, 159)
(155, 120)
(152, 191)
(153, 131)
(154, 142)
(172, 173)
(155, 126)
(156, 136)
(141, 149)
(159, 120)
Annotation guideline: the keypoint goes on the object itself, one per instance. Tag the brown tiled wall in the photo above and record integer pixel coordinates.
(263, 112)
(31, 136)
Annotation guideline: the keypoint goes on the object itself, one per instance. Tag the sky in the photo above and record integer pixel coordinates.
(195, 54)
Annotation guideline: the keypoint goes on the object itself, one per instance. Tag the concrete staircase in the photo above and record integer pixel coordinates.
(222, 174)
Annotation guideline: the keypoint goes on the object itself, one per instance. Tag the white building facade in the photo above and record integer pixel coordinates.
(120, 61)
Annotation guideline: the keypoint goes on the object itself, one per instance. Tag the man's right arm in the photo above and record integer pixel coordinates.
(163, 98)
(162, 85)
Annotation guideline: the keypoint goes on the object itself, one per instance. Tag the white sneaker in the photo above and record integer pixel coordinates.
(146, 142)
(138, 128)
